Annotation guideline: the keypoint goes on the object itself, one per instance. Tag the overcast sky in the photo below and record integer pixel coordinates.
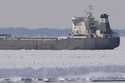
(56, 13)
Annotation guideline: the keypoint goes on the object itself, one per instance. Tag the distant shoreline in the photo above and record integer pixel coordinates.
(43, 31)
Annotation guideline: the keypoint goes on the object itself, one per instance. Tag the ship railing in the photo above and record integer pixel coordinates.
(5, 36)
(36, 38)
(62, 37)
(113, 34)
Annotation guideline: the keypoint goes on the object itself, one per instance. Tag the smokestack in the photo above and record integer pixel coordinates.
(105, 17)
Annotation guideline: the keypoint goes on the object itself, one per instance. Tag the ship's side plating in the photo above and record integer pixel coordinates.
(61, 43)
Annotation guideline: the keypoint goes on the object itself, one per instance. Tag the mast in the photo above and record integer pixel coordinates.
(91, 20)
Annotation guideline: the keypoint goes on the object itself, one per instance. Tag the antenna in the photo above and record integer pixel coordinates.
(90, 10)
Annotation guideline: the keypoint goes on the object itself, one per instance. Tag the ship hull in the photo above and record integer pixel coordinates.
(61, 44)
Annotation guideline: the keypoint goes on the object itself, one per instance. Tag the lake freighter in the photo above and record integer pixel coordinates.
(87, 33)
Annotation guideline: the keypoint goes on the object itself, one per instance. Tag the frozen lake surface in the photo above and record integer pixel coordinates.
(62, 63)
(61, 58)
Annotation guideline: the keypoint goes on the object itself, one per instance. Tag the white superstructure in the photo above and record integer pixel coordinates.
(79, 26)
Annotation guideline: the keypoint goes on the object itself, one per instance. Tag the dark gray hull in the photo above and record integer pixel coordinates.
(60, 44)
